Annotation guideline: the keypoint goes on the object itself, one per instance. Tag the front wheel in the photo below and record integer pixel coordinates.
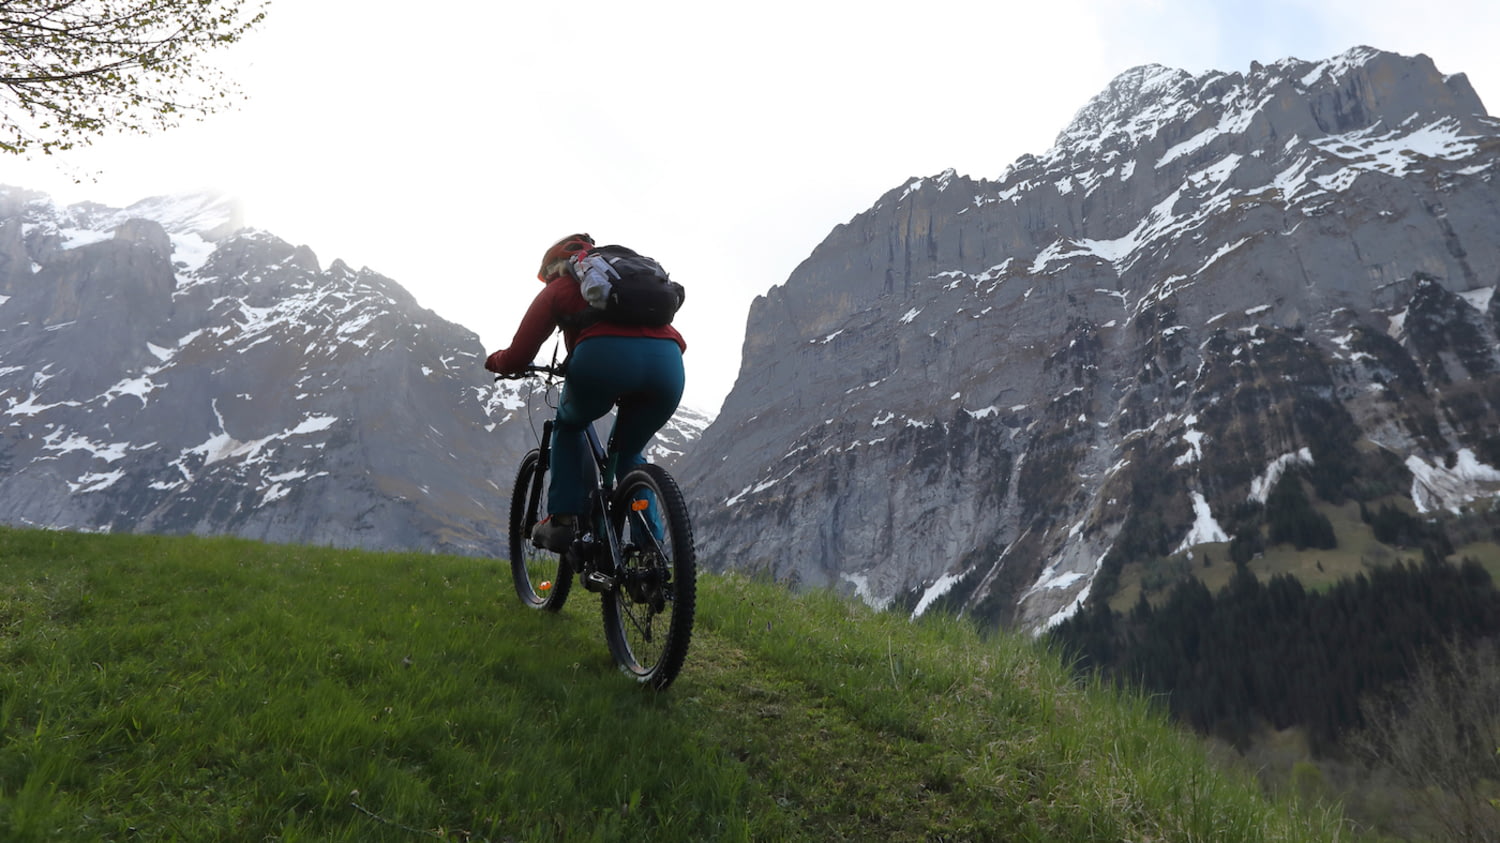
(648, 616)
(542, 578)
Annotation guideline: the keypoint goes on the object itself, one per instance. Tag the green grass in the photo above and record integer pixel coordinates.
(190, 689)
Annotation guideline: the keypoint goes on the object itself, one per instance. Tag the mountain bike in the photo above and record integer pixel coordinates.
(634, 548)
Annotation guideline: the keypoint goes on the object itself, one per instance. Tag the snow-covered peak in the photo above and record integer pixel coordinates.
(1134, 104)
(1152, 104)
(208, 214)
(194, 222)
(1333, 69)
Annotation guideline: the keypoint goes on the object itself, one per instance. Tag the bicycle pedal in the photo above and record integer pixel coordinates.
(597, 582)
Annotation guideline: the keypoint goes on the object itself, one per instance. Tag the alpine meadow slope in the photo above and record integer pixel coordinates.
(164, 369)
(987, 395)
(186, 688)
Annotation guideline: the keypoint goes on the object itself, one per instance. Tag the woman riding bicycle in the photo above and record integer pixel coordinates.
(638, 367)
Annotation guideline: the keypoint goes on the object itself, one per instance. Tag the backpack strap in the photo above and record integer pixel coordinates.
(582, 319)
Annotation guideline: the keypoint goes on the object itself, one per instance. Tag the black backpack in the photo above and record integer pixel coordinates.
(624, 287)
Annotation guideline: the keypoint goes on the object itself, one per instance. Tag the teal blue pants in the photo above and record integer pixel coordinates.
(644, 376)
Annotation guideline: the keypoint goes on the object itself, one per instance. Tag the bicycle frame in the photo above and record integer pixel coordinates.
(605, 469)
(633, 547)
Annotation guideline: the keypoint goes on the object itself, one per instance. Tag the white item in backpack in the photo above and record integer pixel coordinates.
(595, 279)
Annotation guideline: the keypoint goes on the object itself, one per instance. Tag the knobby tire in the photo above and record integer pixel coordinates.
(648, 616)
(541, 577)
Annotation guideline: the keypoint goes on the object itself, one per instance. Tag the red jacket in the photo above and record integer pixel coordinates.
(558, 299)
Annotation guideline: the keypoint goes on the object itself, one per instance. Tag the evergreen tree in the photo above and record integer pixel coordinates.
(1291, 518)
(1279, 654)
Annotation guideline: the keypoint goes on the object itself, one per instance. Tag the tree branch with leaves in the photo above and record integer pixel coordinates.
(71, 70)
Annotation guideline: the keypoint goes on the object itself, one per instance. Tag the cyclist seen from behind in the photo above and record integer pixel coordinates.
(614, 357)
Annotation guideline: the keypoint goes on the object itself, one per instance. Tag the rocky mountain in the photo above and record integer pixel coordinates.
(988, 395)
(164, 369)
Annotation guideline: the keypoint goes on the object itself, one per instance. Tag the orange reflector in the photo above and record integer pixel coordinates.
(546, 585)
(639, 506)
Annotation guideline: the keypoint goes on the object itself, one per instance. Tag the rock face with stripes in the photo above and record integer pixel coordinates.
(987, 395)
(164, 369)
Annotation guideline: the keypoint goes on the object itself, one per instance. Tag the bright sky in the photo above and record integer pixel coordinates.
(447, 148)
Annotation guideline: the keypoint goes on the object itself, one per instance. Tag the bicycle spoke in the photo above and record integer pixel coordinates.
(643, 628)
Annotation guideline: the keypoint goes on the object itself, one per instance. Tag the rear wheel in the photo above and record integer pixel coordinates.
(648, 616)
(542, 577)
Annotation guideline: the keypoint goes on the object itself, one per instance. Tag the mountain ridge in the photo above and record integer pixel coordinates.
(1087, 314)
(977, 396)
(168, 370)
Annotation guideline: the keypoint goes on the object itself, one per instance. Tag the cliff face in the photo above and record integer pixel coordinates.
(976, 391)
(163, 369)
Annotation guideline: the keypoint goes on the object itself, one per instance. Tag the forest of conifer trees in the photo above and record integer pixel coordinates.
(1275, 654)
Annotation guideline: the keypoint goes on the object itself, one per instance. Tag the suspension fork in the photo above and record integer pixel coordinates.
(543, 465)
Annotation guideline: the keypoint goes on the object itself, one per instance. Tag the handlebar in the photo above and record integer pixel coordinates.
(555, 370)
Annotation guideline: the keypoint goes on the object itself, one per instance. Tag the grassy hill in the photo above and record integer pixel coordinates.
(212, 689)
